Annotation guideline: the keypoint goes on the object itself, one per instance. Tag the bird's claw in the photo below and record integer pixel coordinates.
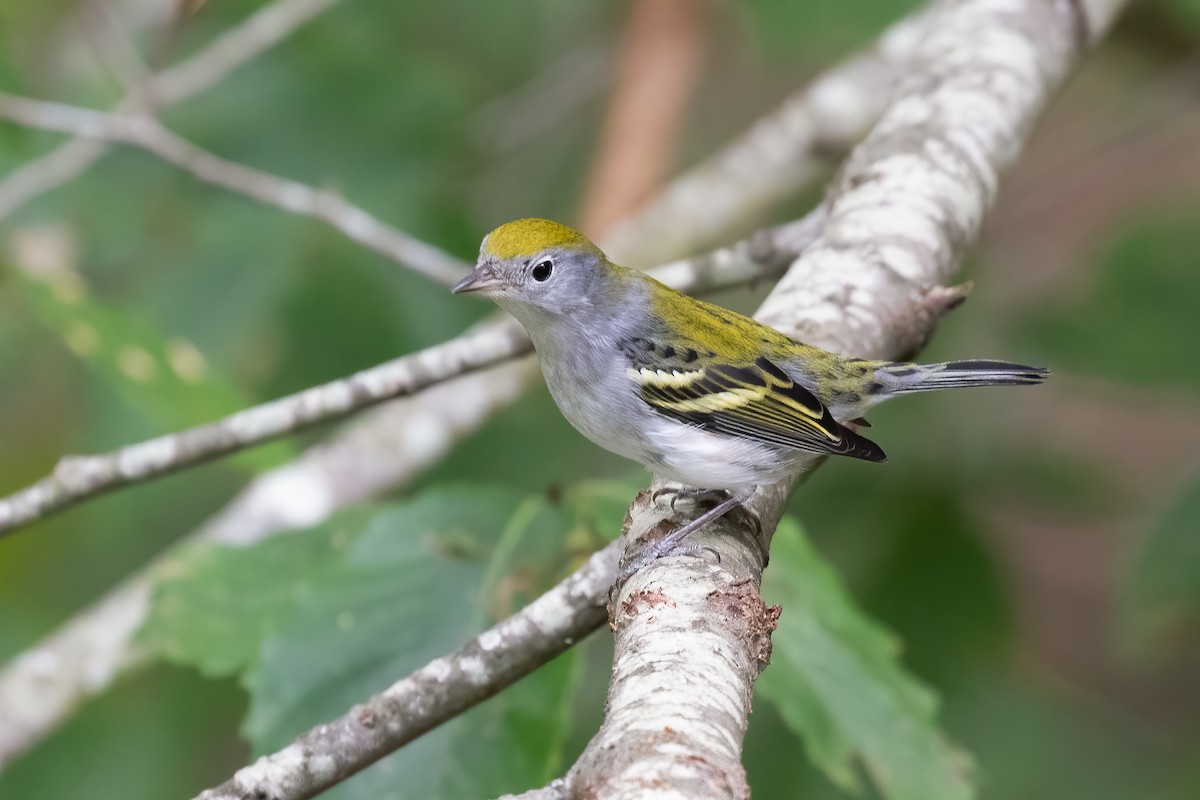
(652, 551)
(672, 542)
(699, 497)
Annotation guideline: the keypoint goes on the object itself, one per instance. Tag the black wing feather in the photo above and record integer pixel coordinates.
(757, 401)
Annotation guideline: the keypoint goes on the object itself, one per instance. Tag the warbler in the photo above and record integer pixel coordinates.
(694, 392)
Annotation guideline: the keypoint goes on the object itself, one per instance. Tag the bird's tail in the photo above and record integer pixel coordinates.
(904, 378)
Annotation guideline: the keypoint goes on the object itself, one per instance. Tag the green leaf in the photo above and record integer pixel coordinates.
(213, 605)
(837, 681)
(318, 621)
(1165, 578)
(514, 742)
(600, 506)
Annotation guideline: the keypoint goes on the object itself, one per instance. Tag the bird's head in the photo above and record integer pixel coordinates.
(537, 269)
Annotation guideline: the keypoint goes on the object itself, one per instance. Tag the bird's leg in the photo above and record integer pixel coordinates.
(669, 543)
(691, 493)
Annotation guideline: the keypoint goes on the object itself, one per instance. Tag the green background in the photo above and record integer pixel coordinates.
(1019, 583)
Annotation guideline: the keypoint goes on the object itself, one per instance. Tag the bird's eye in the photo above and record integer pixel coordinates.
(541, 271)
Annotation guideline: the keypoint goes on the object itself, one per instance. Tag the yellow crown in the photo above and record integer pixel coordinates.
(524, 237)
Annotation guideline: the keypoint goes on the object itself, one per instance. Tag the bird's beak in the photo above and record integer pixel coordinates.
(484, 277)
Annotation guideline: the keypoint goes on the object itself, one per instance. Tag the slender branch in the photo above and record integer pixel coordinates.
(77, 478)
(259, 32)
(439, 691)
(692, 634)
(382, 449)
(292, 196)
(114, 46)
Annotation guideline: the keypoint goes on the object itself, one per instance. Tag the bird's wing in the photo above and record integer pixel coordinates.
(754, 400)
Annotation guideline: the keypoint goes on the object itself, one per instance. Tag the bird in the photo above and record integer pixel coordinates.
(694, 392)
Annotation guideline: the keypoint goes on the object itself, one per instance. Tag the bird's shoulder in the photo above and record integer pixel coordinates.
(712, 329)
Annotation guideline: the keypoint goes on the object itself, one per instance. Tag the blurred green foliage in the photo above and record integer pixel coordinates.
(824, 29)
(384, 102)
(1144, 281)
(835, 680)
(1184, 12)
(164, 379)
(1165, 579)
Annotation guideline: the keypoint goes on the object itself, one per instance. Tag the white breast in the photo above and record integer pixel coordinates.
(690, 455)
(595, 397)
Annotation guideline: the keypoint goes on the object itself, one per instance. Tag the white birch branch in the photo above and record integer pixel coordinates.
(291, 196)
(260, 31)
(692, 633)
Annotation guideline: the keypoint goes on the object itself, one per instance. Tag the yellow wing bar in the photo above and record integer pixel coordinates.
(756, 401)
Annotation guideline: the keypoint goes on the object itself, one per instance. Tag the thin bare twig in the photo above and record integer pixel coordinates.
(382, 449)
(113, 45)
(259, 32)
(77, 478)
(292, 196)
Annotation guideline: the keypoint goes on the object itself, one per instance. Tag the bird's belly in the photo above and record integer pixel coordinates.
(706, 460)
(601, 404)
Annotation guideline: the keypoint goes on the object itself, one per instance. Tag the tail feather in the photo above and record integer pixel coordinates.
(903, 378)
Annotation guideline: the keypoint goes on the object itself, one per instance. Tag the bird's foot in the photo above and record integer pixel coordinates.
(690, 494)
(672, 542)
